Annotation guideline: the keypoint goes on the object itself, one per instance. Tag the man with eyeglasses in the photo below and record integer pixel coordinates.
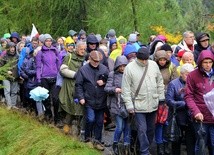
(199, 82)
(203, 43)
(89, 88)
(187, 43)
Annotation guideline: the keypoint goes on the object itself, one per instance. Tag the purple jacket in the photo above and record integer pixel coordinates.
(47, 63)
(198, 83)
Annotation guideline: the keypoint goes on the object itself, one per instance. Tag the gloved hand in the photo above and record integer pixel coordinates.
(39, 84)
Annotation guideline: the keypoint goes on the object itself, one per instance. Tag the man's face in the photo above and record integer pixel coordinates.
(204, 42)
(15, 40)
(189, 39)
(207, 64)
(93, 62)
(35, 44)
(92, 46)
(144, 62)
(81, 50)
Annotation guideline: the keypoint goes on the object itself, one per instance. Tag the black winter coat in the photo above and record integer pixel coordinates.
(86, 86)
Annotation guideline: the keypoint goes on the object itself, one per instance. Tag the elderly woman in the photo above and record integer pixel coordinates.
(175, 99)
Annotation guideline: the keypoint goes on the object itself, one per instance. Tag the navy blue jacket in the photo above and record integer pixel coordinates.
(28, 72)
(175, 97)
(86, 85)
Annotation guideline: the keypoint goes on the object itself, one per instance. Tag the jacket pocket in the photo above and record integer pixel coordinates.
(141, 102)
(155, 98)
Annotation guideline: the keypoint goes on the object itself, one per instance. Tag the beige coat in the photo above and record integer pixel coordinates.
(151, 91)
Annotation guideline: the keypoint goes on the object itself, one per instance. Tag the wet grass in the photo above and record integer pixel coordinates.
(23, 135)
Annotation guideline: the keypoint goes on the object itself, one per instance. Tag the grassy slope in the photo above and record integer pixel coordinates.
(23, 135)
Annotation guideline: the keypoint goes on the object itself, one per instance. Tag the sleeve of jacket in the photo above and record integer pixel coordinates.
(31, 70)
(126, 89)
(66, 72)
(21, 59)
(189, 96)
(64, 69)
(39, 66)
(160, 85)
(79, 91)
(170, 97)
(22, 70)
(109, 87)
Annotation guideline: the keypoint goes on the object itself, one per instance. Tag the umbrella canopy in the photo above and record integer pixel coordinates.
(39, 93)
(209, 100)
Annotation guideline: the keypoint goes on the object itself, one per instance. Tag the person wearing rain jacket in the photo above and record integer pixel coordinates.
(10, 84)
(175, 99)
(71, 63)
(113, 88)
(199, 82)
(202, 40)
(47, 67)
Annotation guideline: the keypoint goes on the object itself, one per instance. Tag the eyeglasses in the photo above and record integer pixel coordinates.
(92, 43)
(94, 60)
(70, 45)
(204, 40)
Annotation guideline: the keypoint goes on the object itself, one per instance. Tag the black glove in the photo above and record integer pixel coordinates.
(39, 84)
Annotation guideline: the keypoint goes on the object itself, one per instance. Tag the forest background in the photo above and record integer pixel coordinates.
(57, 17)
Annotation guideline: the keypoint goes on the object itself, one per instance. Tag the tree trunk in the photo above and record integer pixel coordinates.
(134, 15)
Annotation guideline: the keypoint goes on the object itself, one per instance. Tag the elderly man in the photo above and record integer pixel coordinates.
(145, 104)
(187, 43)
(89, 87)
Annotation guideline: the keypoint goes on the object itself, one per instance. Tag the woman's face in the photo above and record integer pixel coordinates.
(3, 44)
(48, 42)
(21, 46)
(162, 62)
(121, 68)
(60, 41)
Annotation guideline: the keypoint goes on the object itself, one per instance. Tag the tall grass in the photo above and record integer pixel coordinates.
(22, 135)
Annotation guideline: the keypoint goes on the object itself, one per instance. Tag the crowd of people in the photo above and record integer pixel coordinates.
(115, 82)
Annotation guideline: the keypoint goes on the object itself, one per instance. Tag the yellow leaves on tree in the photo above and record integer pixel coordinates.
(171, 38)
(210, 27)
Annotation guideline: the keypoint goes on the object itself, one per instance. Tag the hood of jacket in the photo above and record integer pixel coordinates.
(199, 36)
(205, 54)
(121, 60)
(91, 39)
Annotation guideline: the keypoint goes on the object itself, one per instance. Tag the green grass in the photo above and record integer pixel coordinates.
(22, 135)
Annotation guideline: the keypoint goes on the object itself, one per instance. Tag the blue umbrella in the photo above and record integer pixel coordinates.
(39, 93)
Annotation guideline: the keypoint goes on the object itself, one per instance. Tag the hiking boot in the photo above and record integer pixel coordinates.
(66, 129)
(99, 146)
(127, 149)
(115, 148)
(15, 107)
(160, 149)
(90, 144)
(110, 126)
(9, 107)
(166, 148)
(59, 124)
